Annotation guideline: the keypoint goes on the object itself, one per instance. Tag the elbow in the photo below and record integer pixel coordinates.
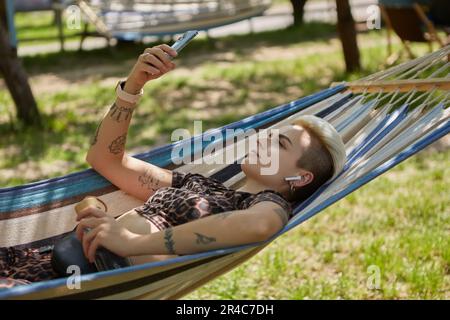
(90, 159)
(94, 161)
(265, 230)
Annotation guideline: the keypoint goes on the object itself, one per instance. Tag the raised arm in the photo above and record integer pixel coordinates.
(256, 224)
(107, 152)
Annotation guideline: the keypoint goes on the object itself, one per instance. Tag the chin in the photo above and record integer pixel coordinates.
(248, 169)
(251, 170)
(244, 167)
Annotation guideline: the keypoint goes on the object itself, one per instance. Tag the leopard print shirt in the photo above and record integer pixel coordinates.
(20, 266)
(193, 196)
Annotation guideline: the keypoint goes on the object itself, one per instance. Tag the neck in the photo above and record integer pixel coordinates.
(253, 186)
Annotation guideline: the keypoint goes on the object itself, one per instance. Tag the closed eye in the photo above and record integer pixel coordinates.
(279, 141)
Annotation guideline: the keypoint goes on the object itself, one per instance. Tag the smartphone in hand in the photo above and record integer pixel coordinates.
(184, 40)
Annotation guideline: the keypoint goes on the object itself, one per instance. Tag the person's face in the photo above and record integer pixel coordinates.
(275, 156)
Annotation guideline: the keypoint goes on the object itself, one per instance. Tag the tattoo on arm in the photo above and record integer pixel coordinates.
(168, 241)
(283, 215)
(95, 137)
(202, 239)
(224, 215)
(118, 145)
(149, 180)
(120, 114)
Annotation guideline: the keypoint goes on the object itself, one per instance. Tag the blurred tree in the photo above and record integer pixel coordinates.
(15, 76)
(299, 10)
(347, 33)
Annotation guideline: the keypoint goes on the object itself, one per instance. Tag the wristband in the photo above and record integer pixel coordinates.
(125, 96)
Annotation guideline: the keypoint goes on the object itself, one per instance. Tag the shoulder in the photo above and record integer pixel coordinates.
(180, 179)
(270, 201)
(270, 196)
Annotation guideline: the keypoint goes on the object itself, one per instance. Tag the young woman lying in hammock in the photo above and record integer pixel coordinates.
(311, 151)
(219, 217)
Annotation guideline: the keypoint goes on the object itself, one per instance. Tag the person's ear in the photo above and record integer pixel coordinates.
(302, 179)
(308, 177)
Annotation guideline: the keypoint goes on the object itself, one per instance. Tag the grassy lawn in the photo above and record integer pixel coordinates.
(39, 27)
(398, 223)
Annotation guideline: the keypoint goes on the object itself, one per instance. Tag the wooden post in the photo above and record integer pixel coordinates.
(430, 26)
(347, 33)
(15, 76)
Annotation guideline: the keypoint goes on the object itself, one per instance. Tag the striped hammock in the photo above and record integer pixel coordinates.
(134, 19)
(383, 119)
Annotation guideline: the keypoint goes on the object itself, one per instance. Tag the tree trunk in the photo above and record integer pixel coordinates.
(299, 10)
(347, 34)
(15, 77)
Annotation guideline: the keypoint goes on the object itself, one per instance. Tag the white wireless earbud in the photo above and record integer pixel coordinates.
(294, 178)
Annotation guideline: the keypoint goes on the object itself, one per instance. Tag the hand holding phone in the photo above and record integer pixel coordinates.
(155, 62)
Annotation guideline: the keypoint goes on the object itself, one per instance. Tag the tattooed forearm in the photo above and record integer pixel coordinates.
(118, 145)
(202, 239)
(224, 215)
(120, 114)
(150, 180)
(283, 215)
(95, 137)
(168, 241)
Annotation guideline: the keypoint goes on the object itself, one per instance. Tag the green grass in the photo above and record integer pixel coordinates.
(38, 27)
(397, 223)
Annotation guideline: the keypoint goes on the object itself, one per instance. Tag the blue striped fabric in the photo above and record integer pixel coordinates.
(389, 123)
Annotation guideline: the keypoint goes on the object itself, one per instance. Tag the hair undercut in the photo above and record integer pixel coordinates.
(324, 157)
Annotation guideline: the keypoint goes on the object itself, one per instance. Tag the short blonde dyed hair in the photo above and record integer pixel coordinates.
(328, 136)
